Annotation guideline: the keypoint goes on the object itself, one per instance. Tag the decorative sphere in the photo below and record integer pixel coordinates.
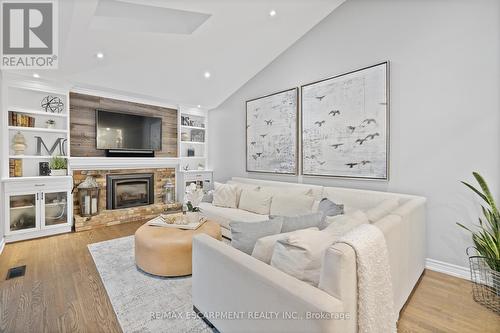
(52, 104)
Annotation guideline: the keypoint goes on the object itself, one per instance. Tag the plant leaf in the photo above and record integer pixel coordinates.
(486, 191)
(463, 226)
(476, 191)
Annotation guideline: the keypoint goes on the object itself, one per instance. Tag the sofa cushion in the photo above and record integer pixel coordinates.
(300, 254)
(291, 204)
(264, 247)
(282, 187)
(384, 208)
(224, 216)
(255, 201)
(286, 190)
(244, 235)
(297, 222)
(358, 199)
(341, 224)
(225, 195)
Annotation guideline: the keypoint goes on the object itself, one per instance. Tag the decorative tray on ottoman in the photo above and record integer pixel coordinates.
(178, 221)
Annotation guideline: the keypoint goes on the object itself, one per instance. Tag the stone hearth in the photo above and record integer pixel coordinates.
(125, 215)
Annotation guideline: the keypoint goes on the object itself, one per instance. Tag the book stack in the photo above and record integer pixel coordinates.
(17, 119)
(15, 167)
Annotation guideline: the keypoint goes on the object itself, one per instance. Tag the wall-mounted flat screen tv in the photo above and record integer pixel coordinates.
(116, 130)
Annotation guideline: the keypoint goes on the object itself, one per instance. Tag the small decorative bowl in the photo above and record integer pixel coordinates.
(172, 218)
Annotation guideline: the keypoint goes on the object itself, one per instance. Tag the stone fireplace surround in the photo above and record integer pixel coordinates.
(107, 217)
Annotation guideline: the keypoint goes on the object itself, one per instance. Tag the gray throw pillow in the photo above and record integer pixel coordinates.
(292, 223)
(208, 197)
(244, 235)
(330, 208)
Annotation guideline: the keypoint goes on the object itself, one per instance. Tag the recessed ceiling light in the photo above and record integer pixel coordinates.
(199, 106)
(100, 55)
(272, 13)
(36, 76)
(207, 75)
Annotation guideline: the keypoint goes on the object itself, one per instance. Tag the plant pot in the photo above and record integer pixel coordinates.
(193, 217)
(485, 281)
(58, 172)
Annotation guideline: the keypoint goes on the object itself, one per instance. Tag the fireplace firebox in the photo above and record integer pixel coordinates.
(131, 190)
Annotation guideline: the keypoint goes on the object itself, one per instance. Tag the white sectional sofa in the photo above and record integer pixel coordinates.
(226, 280)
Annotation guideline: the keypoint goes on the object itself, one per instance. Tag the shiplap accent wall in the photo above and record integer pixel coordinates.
(83, 127)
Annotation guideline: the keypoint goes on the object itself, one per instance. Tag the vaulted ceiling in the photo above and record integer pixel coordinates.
(163, 48)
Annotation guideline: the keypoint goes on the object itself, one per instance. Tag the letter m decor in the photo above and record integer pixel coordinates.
(59, 143)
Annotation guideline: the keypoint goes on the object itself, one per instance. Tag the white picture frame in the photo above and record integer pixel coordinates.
(345, 125)
(272, 133)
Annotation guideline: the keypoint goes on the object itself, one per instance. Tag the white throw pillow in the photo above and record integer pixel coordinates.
(291, 205)
(225, 195)
(300, 254)
(341, 224)
(255, 201)
(240, 187)
(384, 208)
(315, 206)
(264, 247)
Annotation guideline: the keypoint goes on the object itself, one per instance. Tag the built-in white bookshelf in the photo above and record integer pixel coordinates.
(33, 205)
(23, 113)
(193, 135)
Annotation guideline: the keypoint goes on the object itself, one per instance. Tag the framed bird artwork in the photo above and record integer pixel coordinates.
(272, 133)
(345, 125)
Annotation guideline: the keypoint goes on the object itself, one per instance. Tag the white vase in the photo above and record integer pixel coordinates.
(19, 144)
(193, 217)
(58, 172)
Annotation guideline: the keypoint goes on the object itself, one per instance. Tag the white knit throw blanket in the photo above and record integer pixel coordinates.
(375, 296)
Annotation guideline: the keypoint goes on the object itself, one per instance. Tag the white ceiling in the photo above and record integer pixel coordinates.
(161, 48)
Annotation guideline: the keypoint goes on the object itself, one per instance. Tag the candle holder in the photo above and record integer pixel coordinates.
(169, 192)
(88, 195)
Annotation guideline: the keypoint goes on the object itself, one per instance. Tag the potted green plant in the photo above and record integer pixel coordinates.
(58, 166)
(51, 123)
(485, 266)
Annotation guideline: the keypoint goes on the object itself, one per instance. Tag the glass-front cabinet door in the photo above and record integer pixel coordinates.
(22, 212)
(54, 208)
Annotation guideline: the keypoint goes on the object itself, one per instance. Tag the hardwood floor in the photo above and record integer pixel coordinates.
(62, 291)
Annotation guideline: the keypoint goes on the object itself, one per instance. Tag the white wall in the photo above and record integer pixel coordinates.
(445, 73)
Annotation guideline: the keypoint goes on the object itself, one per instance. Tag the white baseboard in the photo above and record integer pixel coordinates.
(446, 268)
(2, 244)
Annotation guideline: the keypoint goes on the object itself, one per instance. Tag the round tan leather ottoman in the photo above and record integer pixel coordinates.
(167, 251)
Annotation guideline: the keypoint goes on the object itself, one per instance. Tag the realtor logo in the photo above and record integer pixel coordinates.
(29, 36)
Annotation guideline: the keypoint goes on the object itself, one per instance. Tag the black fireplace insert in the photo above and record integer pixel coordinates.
(131, 190)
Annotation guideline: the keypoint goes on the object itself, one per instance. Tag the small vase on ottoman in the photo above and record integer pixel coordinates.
(194, 194)
(193, 217)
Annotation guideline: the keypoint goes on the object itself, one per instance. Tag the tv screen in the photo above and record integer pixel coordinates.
(117, 130)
